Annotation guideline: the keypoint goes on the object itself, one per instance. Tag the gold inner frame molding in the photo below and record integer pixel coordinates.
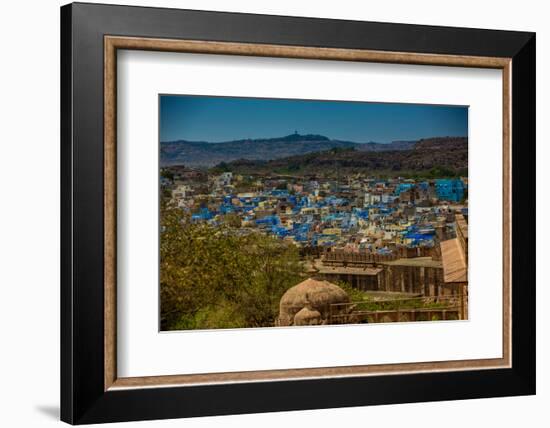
(113, 43)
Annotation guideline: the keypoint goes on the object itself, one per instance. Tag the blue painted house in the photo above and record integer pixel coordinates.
(449, 189)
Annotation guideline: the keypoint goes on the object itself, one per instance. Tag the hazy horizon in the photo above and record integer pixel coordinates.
(223, 119)
(313, 133)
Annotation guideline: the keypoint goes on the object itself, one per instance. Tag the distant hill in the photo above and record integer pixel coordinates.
(440, 156)
(202, 153)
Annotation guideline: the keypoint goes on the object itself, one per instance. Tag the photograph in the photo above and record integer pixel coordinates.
(292, 212)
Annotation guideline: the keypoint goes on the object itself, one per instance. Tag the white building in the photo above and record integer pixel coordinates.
(181, 191)
(225, 178)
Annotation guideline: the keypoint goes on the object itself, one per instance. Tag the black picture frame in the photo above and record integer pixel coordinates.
(83, 398)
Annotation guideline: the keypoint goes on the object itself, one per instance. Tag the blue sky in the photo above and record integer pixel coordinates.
(217, 119)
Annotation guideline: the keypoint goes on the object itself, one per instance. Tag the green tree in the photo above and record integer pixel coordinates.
(166, 173)
(232, 220)
(212, 277)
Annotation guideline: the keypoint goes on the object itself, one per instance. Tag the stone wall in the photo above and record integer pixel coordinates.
(427, 281)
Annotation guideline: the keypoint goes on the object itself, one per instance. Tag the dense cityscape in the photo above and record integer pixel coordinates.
(357, 214)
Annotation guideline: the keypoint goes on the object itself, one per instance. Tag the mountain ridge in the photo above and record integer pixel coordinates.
(204, 153)
(440, 156)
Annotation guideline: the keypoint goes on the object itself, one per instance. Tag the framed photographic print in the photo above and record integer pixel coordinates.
(266, 213)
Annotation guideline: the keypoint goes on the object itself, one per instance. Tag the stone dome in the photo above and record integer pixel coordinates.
(311, 293)
(307, 316)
